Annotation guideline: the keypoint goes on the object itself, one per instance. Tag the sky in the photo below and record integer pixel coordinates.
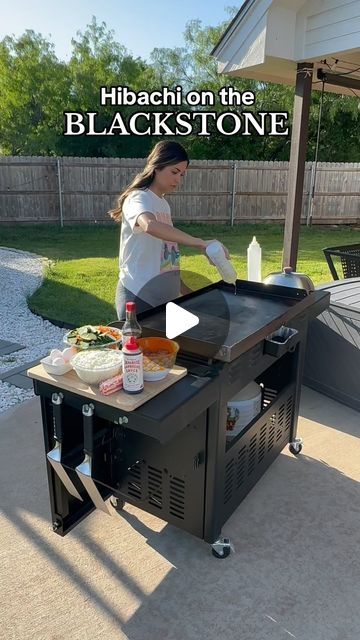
(140, 25)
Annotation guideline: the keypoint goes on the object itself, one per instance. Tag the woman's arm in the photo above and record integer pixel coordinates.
(150, 225)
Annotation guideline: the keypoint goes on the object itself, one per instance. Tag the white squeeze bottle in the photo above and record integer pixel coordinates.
(216, 253)
(254, 261)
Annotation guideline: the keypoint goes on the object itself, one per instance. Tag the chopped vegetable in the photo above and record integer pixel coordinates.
(90, 336)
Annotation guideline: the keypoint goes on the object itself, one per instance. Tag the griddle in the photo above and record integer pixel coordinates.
(230, 324)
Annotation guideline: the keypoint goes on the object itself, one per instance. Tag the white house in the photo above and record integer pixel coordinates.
(268, 38)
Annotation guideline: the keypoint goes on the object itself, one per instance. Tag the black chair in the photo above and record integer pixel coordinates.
(349, 258)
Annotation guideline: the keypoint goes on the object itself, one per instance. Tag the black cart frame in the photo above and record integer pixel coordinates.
(171, 457)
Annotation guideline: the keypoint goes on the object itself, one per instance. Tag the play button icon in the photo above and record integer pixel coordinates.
(178, 320)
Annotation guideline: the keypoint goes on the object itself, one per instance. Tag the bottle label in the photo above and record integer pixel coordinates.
(133, 379)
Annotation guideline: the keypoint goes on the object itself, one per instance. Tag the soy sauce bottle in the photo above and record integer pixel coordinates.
(131, 326)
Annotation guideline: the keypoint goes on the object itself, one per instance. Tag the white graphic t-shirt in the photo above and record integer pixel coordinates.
(148, 266)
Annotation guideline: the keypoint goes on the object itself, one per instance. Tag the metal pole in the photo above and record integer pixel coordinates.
(314, 167)
(299, 139)
(233, 195)
(60, 194)
(311, 195)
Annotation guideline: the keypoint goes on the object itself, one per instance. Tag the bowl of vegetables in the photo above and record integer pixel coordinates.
(93, 337)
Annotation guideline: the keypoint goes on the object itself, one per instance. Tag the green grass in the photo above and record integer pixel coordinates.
(80, 284)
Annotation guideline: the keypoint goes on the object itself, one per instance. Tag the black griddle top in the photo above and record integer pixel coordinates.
(231, 324)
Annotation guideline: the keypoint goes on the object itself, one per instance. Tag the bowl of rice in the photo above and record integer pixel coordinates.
(95, 365)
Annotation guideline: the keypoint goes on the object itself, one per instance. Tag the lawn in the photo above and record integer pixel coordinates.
(79, 285)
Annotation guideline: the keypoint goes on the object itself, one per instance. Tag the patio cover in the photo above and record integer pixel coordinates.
(307, 43)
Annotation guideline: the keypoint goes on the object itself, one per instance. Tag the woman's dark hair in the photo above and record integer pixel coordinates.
(163, 154)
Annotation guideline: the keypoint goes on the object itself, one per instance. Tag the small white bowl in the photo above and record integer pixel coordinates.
(55, 369)
(153, 376)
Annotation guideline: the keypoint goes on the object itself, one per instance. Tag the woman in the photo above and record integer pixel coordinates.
(149, 257)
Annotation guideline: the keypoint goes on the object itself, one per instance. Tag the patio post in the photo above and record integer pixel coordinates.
(299, 140)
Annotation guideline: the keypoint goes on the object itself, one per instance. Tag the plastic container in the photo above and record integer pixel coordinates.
(133, 377)
(216, 253)
(107, 387)
(243, 408)
(254, 261)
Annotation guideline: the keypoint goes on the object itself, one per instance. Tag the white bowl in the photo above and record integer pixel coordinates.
(96, 374)
(152, 376)
(55, 369)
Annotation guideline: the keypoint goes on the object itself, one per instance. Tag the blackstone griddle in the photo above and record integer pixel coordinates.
(230, 324)
(172, 456)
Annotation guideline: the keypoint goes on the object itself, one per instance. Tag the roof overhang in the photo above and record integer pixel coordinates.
(268, 38)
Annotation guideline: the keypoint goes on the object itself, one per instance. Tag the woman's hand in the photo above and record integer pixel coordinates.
(207, 242)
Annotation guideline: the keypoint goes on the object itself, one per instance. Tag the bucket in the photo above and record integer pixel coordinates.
(243, 408)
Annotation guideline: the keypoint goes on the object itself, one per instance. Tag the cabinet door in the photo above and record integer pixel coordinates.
(166, 480)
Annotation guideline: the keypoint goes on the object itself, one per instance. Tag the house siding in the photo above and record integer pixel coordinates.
(328, 28)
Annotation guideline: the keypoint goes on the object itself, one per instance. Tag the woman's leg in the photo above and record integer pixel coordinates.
(123, 296)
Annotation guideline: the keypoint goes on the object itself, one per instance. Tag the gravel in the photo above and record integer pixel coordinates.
(21, 274)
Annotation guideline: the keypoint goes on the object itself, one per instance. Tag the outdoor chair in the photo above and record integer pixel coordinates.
(349, 259)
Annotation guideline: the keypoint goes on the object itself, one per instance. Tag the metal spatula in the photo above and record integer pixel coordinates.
(54, 456)
(85, 468)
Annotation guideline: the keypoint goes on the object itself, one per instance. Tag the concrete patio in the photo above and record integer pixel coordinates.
(294, 574)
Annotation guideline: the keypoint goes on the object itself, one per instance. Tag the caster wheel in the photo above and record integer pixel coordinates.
(226, 553)
(117, 503)
(295, 449)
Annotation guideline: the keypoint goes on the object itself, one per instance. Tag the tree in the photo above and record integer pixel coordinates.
(33, 87)
(194, 68)
(36, 89)
(98, 60)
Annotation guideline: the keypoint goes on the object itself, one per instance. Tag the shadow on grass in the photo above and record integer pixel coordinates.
(70, 306)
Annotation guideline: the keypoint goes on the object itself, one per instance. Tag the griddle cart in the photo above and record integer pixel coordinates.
(170, 457)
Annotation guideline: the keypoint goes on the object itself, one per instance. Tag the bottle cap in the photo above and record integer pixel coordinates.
(131, 344)
(130, 306)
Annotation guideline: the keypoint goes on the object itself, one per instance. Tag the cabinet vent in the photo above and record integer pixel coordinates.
(134, 482)
(155, 486)
(177, 497)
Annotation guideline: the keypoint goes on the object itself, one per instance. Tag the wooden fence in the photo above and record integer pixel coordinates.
(74, 190)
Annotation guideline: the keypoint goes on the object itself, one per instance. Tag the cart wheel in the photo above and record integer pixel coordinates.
(226, 553)
(117, 503)
(295, 449)
(221, 548)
